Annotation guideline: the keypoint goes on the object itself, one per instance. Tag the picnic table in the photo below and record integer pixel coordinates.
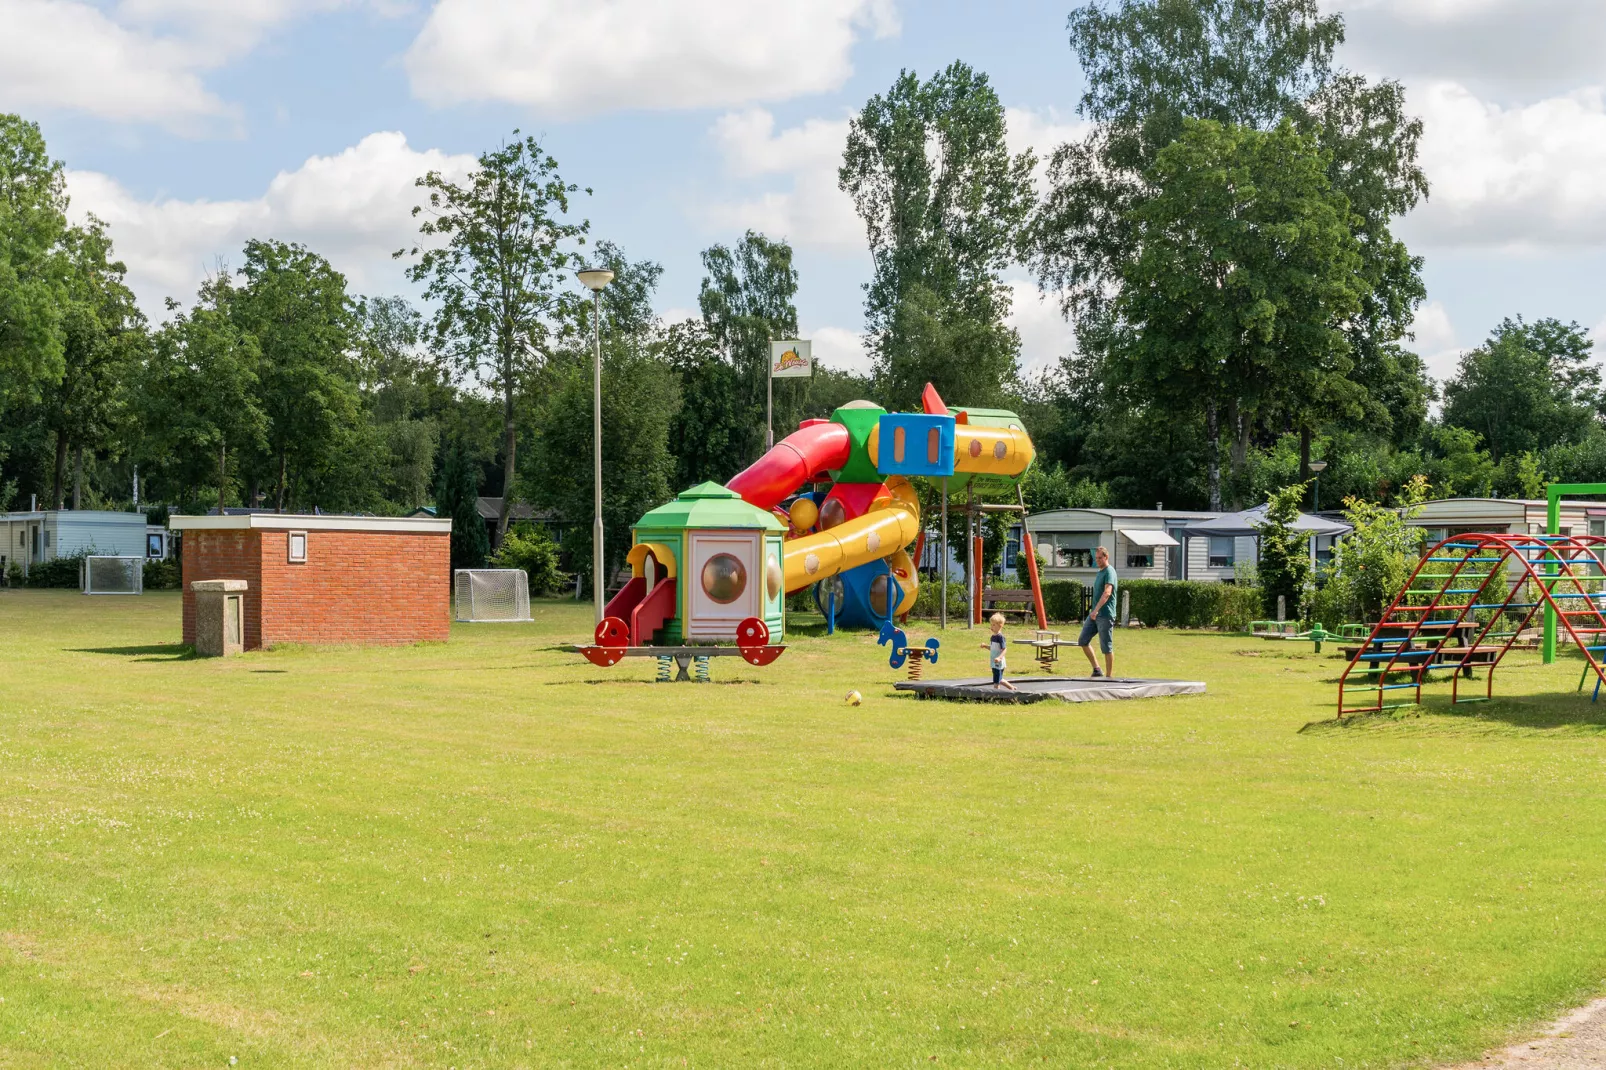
(1446, 641)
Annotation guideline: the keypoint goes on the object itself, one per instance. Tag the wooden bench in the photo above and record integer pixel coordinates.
(1008, 601)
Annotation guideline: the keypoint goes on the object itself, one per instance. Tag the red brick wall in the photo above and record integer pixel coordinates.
(225, 555)
(355, 587)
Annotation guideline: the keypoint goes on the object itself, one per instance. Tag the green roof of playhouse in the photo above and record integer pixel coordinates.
(710, 505)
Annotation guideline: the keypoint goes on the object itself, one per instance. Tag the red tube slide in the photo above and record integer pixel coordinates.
(816, 448)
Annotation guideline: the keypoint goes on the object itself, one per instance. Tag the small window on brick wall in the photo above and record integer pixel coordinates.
(298, 547)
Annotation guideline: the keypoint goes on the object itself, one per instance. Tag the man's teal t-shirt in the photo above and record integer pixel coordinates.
(1106, 575)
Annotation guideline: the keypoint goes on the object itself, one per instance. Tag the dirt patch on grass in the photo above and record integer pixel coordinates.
(1576, 1041)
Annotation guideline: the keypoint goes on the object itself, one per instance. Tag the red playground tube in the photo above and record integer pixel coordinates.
(806, 452)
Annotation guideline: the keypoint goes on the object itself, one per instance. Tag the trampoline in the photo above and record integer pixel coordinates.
(1042, 688)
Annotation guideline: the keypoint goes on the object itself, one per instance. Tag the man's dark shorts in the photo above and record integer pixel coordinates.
(1104, 626)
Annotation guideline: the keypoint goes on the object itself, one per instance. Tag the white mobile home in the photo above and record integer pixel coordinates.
(1144, 544)
(33, 538)
(1444, 517)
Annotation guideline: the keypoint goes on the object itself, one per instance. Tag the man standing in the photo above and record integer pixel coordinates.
(1102, 619)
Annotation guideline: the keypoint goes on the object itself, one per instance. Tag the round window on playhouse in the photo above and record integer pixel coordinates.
(772, 578)
(724, 578)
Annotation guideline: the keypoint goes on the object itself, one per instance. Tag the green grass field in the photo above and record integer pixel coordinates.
(489, 853)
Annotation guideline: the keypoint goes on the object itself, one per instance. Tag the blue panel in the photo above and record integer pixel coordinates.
(918, 433)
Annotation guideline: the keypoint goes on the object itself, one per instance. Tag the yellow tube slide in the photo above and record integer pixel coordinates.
(890, 525)
(1001, 451)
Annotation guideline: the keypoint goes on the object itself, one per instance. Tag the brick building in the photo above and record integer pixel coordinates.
(325, 579)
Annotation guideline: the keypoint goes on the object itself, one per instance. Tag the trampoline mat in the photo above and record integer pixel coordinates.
(1042, 688)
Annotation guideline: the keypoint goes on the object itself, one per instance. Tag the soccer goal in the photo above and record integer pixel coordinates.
(113, 575)
(491, 594)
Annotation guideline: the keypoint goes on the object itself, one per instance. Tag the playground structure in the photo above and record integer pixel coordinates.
(830, 507)
(1483, 591)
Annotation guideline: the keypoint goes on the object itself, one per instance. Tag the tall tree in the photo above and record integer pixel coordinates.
(747, 299)
(400, 387)
(33, 221)
(457, 499)
(104, 335)
(1246, 275)
(1151, 65)
(1528, 388)
(497, 249)
(199, 389)
(293, 303)
(943, 203)
(639, 398)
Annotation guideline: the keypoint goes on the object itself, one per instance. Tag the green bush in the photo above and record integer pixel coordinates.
(1064, 600)
(63, 572)
(928, 603)
(530, 548)
(1191, 604)
(162, 576)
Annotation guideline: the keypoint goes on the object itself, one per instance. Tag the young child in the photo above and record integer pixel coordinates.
(996, 643)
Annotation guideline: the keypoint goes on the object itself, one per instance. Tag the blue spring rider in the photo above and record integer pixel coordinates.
(902, 652)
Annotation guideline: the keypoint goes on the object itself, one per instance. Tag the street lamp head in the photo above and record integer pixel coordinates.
(1318, 467)
(595, 278)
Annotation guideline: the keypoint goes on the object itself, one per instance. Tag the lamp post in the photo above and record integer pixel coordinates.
(1317, 467)
(595, 279)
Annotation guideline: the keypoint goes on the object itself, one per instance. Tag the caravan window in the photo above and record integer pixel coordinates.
(1221, 551)
(1069, 549)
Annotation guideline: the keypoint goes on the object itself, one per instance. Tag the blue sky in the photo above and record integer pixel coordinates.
(191, 125)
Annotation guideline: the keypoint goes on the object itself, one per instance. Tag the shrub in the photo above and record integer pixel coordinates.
(530, 548)
(66, 572)
(1192, 604)
(1284, 553)
(1064, 600)
(928, 603)
(162, 576)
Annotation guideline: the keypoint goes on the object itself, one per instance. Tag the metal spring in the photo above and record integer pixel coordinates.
(914, 667)
(666, 670)
(702, 671)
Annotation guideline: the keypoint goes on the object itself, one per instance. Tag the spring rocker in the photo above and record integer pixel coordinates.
(902, 652)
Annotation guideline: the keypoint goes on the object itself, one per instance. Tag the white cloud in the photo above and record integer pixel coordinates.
(1042, 132)
(814, 212)
(1519, 178)
(1435, 340)
(353, 207)
(141, 61)
(1502, 49)
(72, 56)
(1045, 336)
(567, 60)
(840, 348)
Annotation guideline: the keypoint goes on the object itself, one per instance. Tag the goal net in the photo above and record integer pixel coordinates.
(491, 594)
(113, 575)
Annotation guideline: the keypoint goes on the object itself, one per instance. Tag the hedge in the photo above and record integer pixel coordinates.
(58, 572)
(1064, 600)
(1190, 604)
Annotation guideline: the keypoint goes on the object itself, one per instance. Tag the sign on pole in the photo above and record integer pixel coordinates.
(791, 359)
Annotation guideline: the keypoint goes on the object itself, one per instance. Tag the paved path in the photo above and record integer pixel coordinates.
(1576, 1041)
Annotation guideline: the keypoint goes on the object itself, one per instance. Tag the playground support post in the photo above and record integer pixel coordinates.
(970, 564)
(942, 555)
(769, 405)
(1553, 496)
(596, 447)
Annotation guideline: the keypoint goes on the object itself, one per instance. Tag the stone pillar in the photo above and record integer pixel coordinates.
(219, 617)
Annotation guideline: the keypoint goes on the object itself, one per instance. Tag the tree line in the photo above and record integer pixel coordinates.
(1220, 240)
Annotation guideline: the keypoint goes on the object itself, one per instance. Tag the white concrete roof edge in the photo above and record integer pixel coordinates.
(297, 522)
